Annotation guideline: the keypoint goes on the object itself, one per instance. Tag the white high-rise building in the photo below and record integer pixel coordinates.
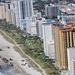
(48, 39)
(22, 9)
(17, 12)
(33, 24)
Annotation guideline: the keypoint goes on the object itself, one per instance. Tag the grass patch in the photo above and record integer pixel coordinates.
(14, 37)
(19, 51)
(24, 56)
(7, 38)
(41, 63)
(38, 60)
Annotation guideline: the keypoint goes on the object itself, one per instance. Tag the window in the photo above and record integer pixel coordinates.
(8, 6)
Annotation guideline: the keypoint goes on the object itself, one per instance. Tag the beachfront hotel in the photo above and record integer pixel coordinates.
(22, 9)
(64, 37)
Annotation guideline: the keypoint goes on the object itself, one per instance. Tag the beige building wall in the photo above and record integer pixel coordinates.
(9, 16)
(2, 12)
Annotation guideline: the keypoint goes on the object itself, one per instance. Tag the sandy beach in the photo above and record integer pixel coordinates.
(20, 65)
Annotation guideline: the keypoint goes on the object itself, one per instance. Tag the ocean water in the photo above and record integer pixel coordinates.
(2, 73)
(3, 70)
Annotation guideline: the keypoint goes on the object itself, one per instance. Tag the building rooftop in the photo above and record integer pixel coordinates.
(2, 4)
(67, 9)
(68, 27)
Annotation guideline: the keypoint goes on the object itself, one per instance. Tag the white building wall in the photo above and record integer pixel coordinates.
(33, 28)
(13, 18)
(39, 28)
(73, 67)
(17, 15)
(46, 13)
(21, 14)
(47, 36)
(65, 72)
(51, 50)
(28, 24)
(31, 25)
(71, 56)
(13, 13)
(28, 8)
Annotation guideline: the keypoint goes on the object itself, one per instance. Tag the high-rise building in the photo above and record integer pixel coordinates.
(47, 37)
(64, 36)
(26, 8)
(22, 9)
(51, 11)
(34, 24)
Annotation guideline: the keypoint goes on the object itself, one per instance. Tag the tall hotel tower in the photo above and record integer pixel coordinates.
(26, 8)
(22, 9)
(64, 37)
